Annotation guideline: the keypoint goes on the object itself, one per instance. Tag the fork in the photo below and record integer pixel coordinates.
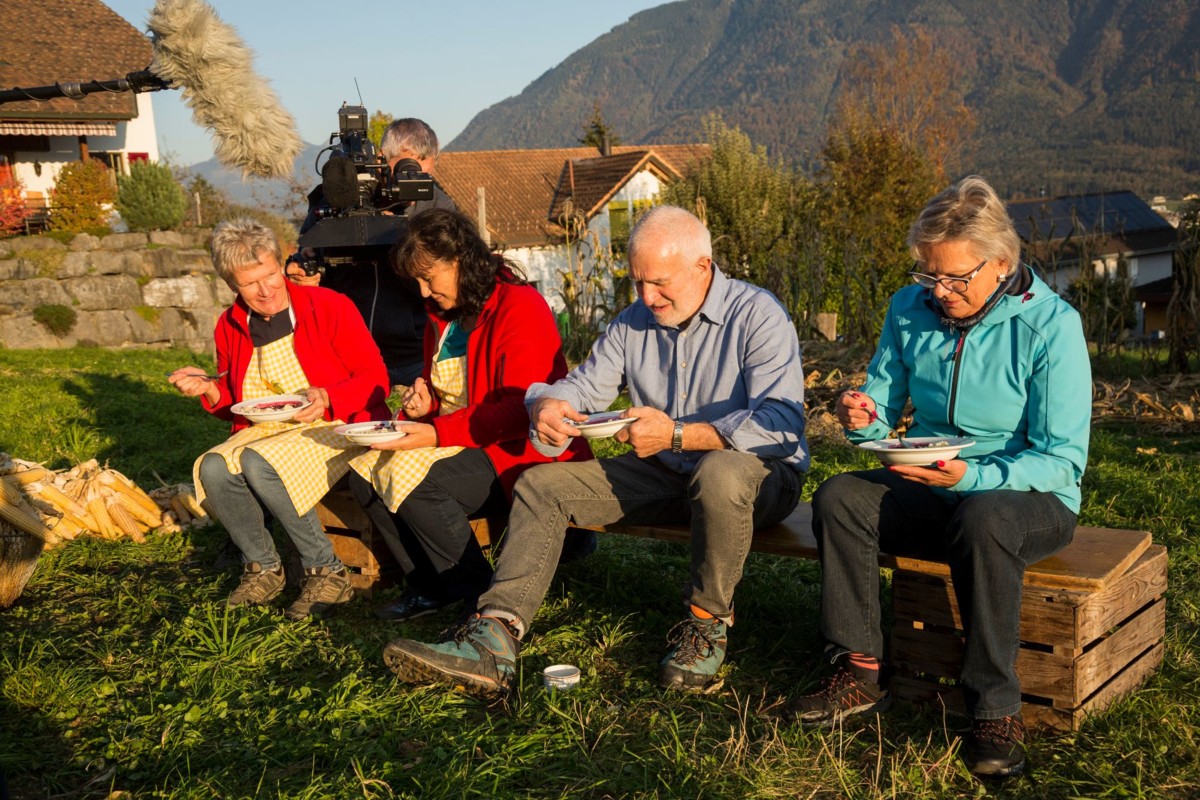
(900, 439)
(216, 377)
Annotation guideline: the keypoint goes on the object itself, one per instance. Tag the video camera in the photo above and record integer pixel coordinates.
(364, 198)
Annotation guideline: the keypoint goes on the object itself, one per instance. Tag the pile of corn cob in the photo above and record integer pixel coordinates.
(89, 500)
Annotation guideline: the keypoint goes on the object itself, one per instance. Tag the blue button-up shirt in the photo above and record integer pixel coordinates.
(735, 366)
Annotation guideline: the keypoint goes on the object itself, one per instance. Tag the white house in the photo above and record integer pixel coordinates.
(1057, 233)
(60, 41)
(553, 211)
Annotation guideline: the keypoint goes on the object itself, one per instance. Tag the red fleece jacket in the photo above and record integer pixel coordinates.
(333, 346)
(514, 344)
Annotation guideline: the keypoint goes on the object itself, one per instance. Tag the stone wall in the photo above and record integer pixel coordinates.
(127, 290)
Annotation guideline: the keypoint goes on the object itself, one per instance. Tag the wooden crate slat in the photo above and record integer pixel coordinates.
(1135, 636)
(1037, 715)
(1146, 580)
(1047, 615)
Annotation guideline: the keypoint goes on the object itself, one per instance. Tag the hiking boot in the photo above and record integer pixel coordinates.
(845, 693)
(696, 651)
(258, 586)
(479, 654)
(410, 606)
(996, 747)
(321, 589)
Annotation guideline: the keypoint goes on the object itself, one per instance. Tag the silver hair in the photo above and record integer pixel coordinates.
(241, 241)
(409, 136)
(676, 225)
(970, 210)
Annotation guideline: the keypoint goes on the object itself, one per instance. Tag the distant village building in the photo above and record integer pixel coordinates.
(553, 211)
(62, 41)
(1059, 234)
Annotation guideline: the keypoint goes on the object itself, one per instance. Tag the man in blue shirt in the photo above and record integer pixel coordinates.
(712, 366)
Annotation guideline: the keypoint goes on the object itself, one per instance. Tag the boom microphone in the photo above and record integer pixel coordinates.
(195, 50)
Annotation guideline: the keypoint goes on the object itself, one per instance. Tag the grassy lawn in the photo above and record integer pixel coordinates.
(123, 675)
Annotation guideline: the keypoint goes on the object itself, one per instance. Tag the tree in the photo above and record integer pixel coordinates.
(1183, 310)
(376, 126)
(596, 131)
(13, 208)
(207, 202)
(913, 88)
(873, 184)
(744, 198)
(149, 198)
(83, 196)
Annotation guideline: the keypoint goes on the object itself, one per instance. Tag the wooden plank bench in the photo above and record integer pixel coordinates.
(1092, 618)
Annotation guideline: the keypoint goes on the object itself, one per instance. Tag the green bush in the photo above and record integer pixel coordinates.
(149, 198)
(83, 195)
(57, 319)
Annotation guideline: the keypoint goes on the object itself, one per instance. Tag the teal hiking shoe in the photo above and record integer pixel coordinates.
(696, 652)
(480, 655)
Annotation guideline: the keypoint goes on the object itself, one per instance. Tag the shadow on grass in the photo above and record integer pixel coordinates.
(145, 432)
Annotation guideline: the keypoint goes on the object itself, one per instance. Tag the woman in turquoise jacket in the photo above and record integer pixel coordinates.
(984, 350)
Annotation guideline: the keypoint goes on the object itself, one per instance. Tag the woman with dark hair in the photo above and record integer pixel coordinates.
(466, 439)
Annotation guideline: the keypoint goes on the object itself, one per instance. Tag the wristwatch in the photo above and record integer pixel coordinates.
(677, 437)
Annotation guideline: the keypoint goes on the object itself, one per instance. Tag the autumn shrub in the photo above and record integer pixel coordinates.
(83, 195)
(13, 208)
(149, 198)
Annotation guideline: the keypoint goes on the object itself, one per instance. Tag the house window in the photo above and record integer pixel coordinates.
(114, 160)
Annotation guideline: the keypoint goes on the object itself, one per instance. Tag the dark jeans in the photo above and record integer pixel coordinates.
(430, 534)
(987, 538)
(728, 496)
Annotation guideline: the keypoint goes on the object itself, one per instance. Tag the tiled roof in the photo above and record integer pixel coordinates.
(522, 186)
(59, 41)
(591, 182)
(1123, 219)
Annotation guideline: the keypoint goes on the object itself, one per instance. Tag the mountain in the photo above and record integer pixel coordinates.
(1070, 95)
(278, 195)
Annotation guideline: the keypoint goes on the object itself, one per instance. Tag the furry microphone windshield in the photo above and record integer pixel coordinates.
(197, 52)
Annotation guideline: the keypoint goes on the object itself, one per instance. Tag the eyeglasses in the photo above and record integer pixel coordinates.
(951, 284)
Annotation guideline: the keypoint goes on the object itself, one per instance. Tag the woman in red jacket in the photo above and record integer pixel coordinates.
(278, 338)
(490, 335)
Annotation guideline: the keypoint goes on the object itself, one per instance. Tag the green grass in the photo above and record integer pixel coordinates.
(121, 671)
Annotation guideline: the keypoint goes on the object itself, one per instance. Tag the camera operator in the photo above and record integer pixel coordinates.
(390, 305)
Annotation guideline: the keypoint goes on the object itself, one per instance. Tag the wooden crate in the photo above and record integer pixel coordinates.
(355, 541)
(361, 548)
(1082, 645)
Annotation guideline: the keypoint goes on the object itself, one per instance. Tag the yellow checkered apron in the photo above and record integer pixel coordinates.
(308, 456)
(395, 473)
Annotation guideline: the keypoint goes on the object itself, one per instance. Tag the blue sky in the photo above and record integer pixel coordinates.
(442, 61)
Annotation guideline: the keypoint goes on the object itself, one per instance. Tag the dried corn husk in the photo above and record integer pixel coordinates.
(30, 475)
(104, 524)
(123, 520)
(180, 510)
(119, 483)
(20, 516)
(190, 503)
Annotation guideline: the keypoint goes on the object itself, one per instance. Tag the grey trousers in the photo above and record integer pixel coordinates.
(726, 497)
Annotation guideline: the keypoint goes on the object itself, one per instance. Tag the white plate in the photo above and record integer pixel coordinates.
(372, 432)
(599, 426)
(253, 409)
(919, 450)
